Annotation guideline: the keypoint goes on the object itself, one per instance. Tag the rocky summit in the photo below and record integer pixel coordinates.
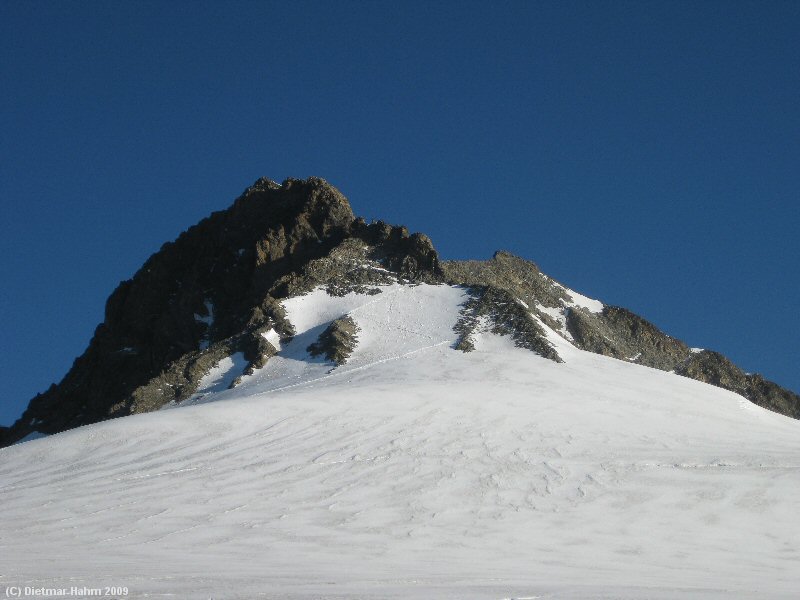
(217, 291)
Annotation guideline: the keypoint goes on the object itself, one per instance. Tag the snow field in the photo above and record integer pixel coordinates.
(417, 471)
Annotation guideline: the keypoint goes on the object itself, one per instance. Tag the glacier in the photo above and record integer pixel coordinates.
(416, 471)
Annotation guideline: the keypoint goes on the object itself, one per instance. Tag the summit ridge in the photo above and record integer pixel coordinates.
(217, 291)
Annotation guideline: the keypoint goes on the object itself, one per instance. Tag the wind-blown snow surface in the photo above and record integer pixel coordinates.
(417, 471)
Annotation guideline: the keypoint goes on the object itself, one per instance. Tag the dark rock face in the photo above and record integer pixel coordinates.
(337, 342)
(772, 396)
(229, 261)
(376, 254)
(216, 290)
(521, 278)
(619, 333)
(712, 367)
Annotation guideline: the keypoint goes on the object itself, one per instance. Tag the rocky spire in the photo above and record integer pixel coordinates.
(204, 286)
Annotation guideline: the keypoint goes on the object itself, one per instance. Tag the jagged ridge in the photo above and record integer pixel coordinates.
(217, 289)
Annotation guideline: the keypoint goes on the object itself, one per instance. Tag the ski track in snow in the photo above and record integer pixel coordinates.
(417, 471)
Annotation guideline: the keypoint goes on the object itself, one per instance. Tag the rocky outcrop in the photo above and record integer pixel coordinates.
(215, 290)
(224, 265)
(374, 255)
(772, 396)
(337, 342)
(619, 333)
(179, 380)
(714, 368)
(494, 309)
(508, 291)
(520, 278)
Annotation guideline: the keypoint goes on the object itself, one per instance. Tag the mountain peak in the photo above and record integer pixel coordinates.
(219, 290)
(212, 291)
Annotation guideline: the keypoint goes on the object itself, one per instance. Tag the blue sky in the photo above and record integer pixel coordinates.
(646, 154)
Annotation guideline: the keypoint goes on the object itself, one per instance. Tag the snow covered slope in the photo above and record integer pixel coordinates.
(416, 471)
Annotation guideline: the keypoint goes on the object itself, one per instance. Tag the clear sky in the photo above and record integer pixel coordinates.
(646, 154)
